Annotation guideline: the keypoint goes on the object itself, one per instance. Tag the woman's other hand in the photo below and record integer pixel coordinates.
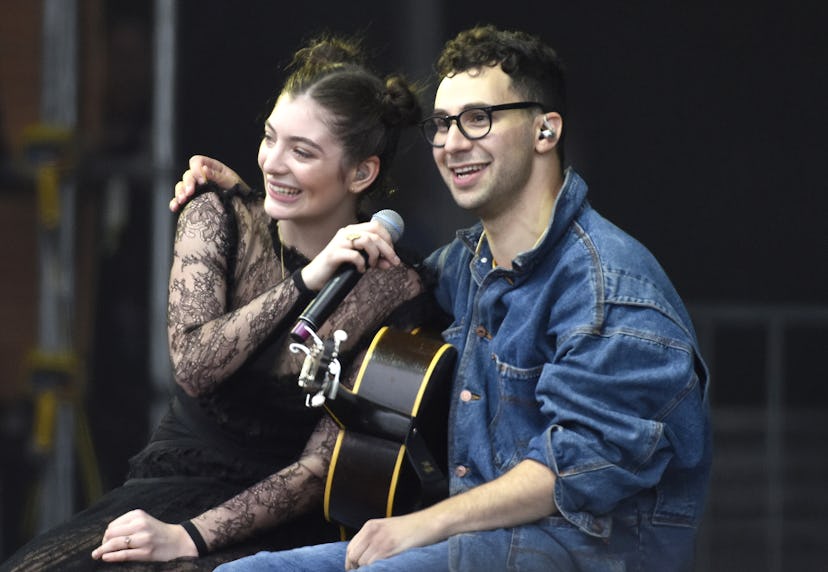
(138, 536)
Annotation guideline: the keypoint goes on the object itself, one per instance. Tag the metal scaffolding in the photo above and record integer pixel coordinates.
(60, 435)
(53, 363)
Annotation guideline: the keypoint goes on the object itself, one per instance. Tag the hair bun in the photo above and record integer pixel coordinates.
(326, 51)
(366, 113)
(402, 106)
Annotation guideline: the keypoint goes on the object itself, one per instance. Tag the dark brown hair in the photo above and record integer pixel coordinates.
(367, 112)
(536, 71)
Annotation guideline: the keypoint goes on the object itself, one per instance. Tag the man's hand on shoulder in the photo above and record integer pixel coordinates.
(201, 170)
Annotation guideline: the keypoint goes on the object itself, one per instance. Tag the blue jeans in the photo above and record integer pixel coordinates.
(552, 545)
(331, 557)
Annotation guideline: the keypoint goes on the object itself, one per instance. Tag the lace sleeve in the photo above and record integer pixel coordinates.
(294, 490)
(209, 341)
(289, 493)
(374, 299)
(298, 488)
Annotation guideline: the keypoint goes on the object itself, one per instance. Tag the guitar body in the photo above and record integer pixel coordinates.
(391, 452)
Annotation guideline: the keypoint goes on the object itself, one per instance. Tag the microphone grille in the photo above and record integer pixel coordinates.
(392, 222)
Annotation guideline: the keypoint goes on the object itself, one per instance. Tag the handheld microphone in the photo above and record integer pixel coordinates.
(335, 290)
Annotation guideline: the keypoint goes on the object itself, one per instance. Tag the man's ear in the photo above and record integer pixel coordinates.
(364, 174)
(550, 129)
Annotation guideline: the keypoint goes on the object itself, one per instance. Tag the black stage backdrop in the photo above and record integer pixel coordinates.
(699, 126)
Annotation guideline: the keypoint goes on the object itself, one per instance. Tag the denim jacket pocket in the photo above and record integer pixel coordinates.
(515, 415)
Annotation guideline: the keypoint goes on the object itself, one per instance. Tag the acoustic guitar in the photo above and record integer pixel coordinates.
(390, 456)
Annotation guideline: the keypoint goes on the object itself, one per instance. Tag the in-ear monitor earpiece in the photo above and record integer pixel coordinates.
(547, 132)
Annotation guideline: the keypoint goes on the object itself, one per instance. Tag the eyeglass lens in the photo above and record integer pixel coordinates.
(473, 123)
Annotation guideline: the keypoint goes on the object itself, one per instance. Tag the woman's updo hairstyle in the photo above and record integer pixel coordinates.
(366, 113)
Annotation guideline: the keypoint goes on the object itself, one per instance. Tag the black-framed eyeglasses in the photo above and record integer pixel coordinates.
(473, 123)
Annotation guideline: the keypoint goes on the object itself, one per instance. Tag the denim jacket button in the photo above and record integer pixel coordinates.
(465, 395)
(481, 332)
(460, 471)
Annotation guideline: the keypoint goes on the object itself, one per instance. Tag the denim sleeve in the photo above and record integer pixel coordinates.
(438, 275)
(622, 405)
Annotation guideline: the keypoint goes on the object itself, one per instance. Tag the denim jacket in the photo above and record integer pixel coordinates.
(583, 358)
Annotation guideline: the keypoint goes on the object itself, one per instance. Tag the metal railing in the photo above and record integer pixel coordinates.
(757, 431)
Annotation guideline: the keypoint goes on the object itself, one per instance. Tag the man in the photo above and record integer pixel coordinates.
(579, 430)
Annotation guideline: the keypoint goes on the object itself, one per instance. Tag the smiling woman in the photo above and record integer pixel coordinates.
(238, 463)
(302, 164)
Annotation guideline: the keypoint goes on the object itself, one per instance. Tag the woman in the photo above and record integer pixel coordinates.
(245, 265)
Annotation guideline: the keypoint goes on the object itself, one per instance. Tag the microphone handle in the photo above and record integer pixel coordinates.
(326, 301)
(323, 305)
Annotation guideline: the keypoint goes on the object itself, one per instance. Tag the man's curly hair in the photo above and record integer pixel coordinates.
(536, 70)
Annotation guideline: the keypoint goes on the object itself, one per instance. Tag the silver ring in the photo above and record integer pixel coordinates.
(127, 540)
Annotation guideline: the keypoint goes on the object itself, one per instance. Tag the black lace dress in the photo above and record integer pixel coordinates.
(238, 417)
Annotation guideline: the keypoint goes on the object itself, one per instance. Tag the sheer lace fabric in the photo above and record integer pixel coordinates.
(238, 423)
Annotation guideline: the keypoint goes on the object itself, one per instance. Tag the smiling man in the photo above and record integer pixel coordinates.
(579, 426)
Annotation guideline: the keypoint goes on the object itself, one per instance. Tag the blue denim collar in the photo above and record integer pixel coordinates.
(571, 200)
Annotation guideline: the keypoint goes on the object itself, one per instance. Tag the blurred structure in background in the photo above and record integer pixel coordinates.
(73, 380)
(699, 128)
